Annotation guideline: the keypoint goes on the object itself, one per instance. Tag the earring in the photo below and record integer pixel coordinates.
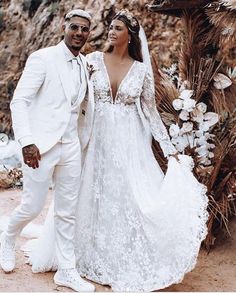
(129, 41)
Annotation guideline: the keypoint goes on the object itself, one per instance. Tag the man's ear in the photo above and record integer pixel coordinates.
(63, 27)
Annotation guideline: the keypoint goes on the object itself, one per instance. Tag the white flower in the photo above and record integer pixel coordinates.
(221, 81)
(231, 72)
(201, 107)
(186, 127)
(201, 140)
(191, 140)
(199, 133)
(197, 115)
(186, 94)
(210, 119)
(174, 130)
(205, 161)
(210, 155)
(180, 142)
(184, 115)
(185, 84)
(211, 145)
(189, 104)
(171, 70)
(209, 135)
(177, 104)
(202, 150)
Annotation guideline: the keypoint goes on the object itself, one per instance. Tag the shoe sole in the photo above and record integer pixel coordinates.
(7, 271)
(64, 284)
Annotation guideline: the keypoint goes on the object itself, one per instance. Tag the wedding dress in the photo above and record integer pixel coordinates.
(136, 229)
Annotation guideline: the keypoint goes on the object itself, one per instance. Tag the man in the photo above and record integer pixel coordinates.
(53, 100)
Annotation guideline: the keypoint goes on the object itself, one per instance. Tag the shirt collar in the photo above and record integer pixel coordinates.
(69, 55)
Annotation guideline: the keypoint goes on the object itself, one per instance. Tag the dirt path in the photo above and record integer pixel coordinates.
(214, 272)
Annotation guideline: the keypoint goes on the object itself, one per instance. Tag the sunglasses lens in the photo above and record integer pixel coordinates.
(75, 27)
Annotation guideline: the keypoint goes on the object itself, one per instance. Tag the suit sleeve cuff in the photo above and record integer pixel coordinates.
(26, 140)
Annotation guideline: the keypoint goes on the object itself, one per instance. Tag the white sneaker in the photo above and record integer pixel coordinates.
(7, 254)
(70, 278)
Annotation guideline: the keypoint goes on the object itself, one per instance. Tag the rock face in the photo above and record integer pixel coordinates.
(27, 25)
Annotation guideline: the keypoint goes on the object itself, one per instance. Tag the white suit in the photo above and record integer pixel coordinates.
(47, 111)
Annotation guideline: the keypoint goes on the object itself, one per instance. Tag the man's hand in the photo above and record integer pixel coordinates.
(31, 156)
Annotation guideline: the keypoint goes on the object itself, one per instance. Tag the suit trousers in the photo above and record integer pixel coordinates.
(61, 165)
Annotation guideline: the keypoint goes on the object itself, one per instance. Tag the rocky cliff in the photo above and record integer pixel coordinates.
(27, 25)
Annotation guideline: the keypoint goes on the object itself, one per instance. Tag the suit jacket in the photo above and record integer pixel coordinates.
(41, 105)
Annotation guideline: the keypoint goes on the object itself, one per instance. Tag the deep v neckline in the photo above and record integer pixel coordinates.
(109, 81)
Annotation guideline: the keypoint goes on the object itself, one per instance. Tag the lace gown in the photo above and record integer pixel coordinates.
(136, 230)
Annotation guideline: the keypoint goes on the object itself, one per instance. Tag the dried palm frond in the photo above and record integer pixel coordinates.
(201, 76)
(218, 102)
(221, 180)
(162, 161)
(200, 68)
(231, 4)
(222, 209)
(165, 92)
(224, 21)
(230, 96)
(196, 43)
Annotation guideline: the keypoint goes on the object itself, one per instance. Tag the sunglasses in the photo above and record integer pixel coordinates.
(76, 27)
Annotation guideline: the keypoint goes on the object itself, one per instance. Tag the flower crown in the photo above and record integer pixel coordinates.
(129, 16)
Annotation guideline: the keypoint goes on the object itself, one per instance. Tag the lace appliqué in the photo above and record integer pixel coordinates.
(128, 92)
(129, 89)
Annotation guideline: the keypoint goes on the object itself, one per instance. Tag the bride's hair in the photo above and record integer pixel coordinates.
(131, 22)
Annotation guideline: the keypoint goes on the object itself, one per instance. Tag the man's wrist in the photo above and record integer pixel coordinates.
(26, 140)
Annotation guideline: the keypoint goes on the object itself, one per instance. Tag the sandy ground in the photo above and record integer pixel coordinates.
(215, 271)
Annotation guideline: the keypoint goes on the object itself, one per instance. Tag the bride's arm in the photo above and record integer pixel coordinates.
(157, 127)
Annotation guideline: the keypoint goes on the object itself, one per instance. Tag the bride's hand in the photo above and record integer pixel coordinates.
(175, 156)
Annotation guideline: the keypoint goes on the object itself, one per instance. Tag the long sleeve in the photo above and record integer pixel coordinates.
(157, 127)
(30, 82)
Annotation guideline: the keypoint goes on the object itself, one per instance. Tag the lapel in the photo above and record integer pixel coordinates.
(89, 83)
(84, 62)
(62, 69)
(84, 80)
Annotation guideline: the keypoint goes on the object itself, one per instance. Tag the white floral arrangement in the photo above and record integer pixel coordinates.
(196, 123)
(196, 126)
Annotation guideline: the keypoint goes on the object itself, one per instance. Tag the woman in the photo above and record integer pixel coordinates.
(135, 231)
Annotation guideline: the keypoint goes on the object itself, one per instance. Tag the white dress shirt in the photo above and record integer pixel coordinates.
(71, 133)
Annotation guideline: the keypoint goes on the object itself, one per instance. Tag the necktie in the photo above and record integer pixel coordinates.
(76, 76)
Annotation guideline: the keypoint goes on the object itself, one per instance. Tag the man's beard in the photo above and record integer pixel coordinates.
(77, 48)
